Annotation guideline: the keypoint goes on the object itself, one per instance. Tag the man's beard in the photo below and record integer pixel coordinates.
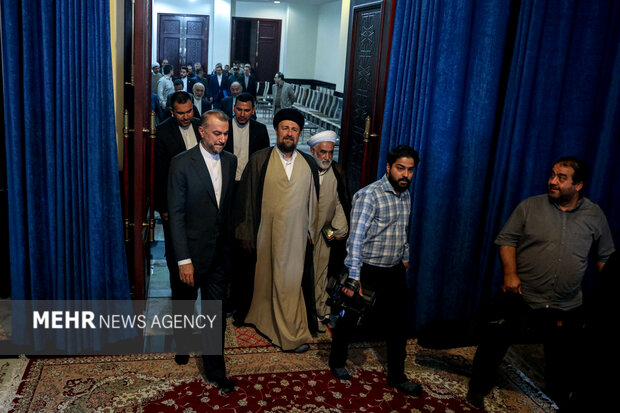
(286, 147)
(322, 163)
(561, 198)
(396, 183)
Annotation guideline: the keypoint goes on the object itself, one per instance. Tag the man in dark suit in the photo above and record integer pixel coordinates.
(201, 104)
(218, 87)
(228, 103)
(200, 192)
(245, 137)
(248, 81)
(184, 78)
(175, 135)
(243, 144)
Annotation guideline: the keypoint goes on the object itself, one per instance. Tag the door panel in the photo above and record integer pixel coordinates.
(183, 39)
(365, 83)
(268, 59)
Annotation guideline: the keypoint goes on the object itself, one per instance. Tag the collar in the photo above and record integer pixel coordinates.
(207, 155)
(284, 156)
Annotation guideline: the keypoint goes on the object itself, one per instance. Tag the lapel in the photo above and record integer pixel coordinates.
(230, 143)
(178, 138)
(196, 131)
(202, 172)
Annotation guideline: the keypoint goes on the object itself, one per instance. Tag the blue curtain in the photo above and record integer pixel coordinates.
(62, 169)
(490, 99)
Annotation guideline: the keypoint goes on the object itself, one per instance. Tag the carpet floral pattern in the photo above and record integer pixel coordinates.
(268, 380)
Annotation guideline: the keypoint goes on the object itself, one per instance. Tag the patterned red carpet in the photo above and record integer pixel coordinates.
(268, 381)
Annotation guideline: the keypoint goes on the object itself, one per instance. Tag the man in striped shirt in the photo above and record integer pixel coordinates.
(378, 257)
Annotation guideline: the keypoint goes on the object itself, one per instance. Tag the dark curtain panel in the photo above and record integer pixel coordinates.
(62, 169)
(490, 93)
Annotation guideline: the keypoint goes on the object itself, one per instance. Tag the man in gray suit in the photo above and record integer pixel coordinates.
(200, 191)
(283, 93)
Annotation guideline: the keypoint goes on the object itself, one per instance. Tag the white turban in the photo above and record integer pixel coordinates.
(325, 136)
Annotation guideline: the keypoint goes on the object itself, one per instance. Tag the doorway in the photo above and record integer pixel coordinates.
(257, 42)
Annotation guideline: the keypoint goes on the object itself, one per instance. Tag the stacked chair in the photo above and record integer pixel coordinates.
(264, 101)
(320, 107)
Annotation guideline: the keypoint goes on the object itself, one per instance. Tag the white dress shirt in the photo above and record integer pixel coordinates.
(287, 163)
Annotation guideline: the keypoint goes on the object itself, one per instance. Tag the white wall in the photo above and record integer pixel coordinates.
(327, 65)
(314, 38)
(301, 41)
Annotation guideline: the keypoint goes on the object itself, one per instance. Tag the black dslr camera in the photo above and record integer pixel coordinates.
(339, 301)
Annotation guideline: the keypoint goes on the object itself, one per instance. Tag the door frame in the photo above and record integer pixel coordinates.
(371, 149)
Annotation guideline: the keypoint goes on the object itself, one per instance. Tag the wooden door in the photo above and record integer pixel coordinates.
(138, 147)
(370, 27)
(182, 39)
(257, 41)
(268, 53)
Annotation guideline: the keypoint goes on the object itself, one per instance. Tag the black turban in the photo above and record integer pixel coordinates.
(289, 114)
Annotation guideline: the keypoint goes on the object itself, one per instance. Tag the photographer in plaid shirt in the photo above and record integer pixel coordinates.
(378, 256)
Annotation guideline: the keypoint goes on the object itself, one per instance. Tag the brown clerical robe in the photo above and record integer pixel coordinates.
(288, 210)
(330, 212)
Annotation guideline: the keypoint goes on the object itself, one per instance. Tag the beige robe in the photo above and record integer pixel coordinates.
(287, 220)
(330, 211)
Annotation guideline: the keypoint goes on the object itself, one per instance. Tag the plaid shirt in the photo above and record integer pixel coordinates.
(379, 224)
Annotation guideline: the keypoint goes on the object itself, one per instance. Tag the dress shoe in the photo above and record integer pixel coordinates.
(181, 359)
(475, 399)
(407, 387)
(223, 383)
(340, 373)
(302, 349)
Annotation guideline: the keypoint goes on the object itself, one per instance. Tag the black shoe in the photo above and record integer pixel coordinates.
(224, 384)
(340, 373)
(475, 399)
(302, 349)
(181, 359)
(407, 387)
(299, 349)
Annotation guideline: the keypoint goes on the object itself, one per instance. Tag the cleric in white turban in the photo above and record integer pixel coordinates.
(325, 136)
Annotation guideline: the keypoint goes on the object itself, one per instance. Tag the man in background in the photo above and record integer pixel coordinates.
(282, 92)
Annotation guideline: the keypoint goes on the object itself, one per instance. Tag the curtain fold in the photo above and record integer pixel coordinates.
(62, 170)
(440, 104)
(489, 108)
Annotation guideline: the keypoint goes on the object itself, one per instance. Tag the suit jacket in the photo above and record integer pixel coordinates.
(227, 106)
(251, 88)
(206, 105)
(287, 97)
(218, 92)
(168, 144)
(259, 137)
(200, 228)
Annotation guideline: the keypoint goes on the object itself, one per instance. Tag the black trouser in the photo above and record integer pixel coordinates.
(242, 283)
(515, 322)
(390, 287)
(213, 285)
